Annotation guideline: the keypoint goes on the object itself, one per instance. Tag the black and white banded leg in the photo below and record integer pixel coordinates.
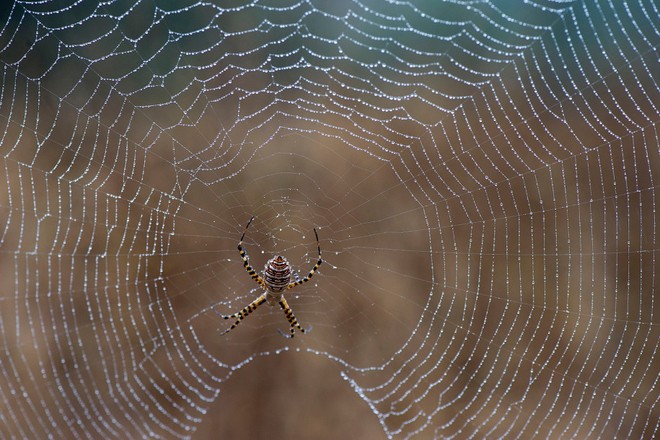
(243, 313)
(290, 317)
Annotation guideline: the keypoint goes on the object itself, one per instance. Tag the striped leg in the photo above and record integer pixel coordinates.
(311, 273)
(243, 313)
(290, 317)
(246, 262)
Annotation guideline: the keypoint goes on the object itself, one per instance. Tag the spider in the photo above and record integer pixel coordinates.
(276, 279)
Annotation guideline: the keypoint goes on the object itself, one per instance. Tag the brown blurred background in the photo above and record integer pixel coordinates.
(482, 178)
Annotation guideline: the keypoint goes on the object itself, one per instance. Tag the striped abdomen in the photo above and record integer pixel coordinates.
(277, 274)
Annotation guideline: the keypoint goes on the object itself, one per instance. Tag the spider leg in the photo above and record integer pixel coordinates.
(246, 263)
(290, 317)
(243, 313)
(314, 269)
(307, 330)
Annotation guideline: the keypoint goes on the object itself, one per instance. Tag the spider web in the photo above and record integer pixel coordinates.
(482, 175)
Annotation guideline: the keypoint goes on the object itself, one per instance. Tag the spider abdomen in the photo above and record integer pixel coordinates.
(277, 274)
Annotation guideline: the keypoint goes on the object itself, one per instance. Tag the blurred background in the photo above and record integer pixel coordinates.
(482, 176)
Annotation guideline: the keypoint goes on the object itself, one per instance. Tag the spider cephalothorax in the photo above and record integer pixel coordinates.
(276, 279)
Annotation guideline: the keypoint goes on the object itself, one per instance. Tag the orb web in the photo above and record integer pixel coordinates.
(482, 176)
